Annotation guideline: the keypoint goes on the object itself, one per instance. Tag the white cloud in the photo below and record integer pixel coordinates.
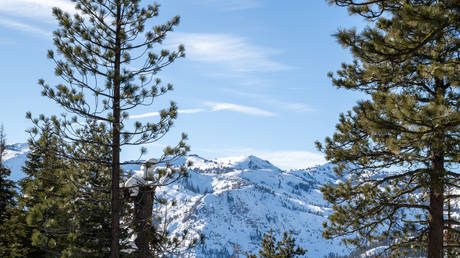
(23, 27)
(292, 159)
(233, 5)
(233, 52)
(35, 9)
(191, 111)
(145, 115)
(215, 106)
(288, 105)
(40, 11)
(180, 111)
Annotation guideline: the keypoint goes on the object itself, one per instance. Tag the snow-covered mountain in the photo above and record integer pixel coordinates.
(233, 201)
(14, 158)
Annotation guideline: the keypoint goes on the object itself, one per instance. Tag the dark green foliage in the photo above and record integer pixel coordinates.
(47, 196)
(67, 201)
(7, 193)
(407, 63)
(15, 235)
(7, 187)
(285, 248)
(91, 207)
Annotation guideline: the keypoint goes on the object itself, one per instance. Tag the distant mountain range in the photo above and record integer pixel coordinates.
(233, 201)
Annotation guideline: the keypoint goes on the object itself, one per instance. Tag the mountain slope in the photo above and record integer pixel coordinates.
(14, 158)
(233, 201)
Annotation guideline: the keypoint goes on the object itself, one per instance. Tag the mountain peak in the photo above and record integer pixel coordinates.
(250, 162)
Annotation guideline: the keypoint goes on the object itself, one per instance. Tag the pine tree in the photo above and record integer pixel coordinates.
(285, 248)
(91, 205)
(7, 194)
(15, 236)
(67, 201)
(7, 187)
(14, 233)
(7, 203)
(47, 196)
(398, 149)
(108, 68)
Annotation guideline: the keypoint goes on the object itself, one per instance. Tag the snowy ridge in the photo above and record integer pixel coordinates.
(233, 201)
(14, 158)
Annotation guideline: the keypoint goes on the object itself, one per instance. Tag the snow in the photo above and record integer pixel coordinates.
(233, 201)
(374, 251)
(14, 158)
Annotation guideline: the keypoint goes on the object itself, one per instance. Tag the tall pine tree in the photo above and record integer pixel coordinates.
(107, 61)
(402, 143)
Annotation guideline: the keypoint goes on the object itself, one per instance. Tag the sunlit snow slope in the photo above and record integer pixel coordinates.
(14, 158)
(233, 201)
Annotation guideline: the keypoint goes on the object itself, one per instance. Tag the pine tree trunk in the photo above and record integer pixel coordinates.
(143, 208)
(115, 250)
(435, 244)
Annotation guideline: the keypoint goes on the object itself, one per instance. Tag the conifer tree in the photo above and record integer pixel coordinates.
(108, 65)
(7, 187)
(67, 202)
(286, 248)
(399, 149)
(91, 204)
(7, 194)
(47, 196)
(15, 236)
(14, 233)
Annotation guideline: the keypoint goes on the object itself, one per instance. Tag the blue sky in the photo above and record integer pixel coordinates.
(253, 81)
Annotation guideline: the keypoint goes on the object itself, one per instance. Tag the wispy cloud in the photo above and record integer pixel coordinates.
(6, 22)
(35, 9)
(235, 53)
(232, 5)
(288, 105)
(31, 15)
(153, 114)
(215, 106)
